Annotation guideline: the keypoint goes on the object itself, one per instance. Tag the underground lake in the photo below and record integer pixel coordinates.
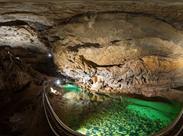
(111, 115)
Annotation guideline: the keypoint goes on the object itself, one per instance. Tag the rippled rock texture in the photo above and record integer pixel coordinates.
(121, 53)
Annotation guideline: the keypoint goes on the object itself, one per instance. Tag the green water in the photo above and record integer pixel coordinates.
(115, 116)
(71, 88)
(129, 117)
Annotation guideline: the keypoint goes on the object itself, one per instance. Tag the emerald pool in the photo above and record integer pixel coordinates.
(115, 116)
(130, 117)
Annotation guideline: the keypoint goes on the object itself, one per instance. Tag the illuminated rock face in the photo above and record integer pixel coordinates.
(121, 53)
(20, 36)
(127, 47)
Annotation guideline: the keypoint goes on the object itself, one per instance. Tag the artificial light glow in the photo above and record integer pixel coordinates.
(49, 55)
(57, 82)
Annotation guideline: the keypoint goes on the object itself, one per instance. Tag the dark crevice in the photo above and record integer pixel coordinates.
(19, 12)
(13, 23)
(85, 45)
(180, 88)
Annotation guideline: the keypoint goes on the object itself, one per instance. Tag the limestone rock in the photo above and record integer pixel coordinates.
(128, 52)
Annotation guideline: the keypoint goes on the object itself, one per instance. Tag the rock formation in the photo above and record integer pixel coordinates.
(127, 53)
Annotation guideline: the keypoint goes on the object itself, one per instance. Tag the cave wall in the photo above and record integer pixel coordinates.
(125, 46)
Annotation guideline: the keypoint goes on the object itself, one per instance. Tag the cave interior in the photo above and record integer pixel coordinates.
(94, 68)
